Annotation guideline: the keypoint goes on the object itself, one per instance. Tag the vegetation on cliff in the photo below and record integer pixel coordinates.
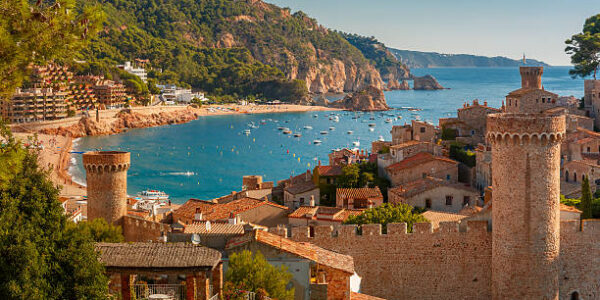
(228, 47)
(378, 54)
(389, 213)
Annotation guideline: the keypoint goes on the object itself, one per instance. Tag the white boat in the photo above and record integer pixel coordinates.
(297, 134)
(315, 116)
(350, 132)
(372, 118)
(356, 143)
(332, 128)
(280, 128)
(246, 131)
(371, 124)
(307, 127)
(317, 142)
(381, 139)
(153, 195)
(335, 119)
(388, 120)
(324, 132)
(371, 129)
(287, 132)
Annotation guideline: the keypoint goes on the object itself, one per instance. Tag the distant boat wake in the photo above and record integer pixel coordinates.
(187, 173)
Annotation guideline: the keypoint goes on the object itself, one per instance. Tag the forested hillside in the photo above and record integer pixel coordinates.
(417, 59)
(378, 54)
(241, 47)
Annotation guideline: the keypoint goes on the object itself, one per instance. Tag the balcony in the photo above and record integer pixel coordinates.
(159, 291)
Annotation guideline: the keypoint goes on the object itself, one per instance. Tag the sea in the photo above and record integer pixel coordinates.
(207, 158)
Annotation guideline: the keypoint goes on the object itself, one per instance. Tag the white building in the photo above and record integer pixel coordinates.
(139, 72)
(172, 93)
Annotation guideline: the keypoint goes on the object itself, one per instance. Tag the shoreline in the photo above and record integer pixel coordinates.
(58, 142)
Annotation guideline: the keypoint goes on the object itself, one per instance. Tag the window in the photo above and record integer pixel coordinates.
(575, 296)
(424, 175)
(567, 176)
(588, 148)
(427, 203)
(543, 100)
(472, 132)
(516, 102)
(575, 176)
(448, 177)
(508, 102)
(466, 200)
(422, 129)
(448, 200)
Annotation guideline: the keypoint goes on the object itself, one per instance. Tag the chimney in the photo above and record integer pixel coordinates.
(312, 200)
(319, 163)
(484, 103)
(198, 214)
(234, 219)
(208, 227)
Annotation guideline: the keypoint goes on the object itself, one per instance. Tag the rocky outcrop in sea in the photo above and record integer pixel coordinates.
(426, 82)
(370, 98)
(394, 85)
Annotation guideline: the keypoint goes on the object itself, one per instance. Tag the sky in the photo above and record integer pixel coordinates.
(511, 28)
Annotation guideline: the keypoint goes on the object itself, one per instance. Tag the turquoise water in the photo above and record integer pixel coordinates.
(207, 158)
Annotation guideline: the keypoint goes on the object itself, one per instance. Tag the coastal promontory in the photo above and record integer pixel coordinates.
(370, 98)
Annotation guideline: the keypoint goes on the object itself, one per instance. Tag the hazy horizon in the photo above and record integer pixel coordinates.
(510, 28)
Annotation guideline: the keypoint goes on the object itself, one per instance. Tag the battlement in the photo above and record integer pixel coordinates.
(106, 161)
(525, 128)
(531, 77)
(136, 229)
(589, 227)
(303, 233)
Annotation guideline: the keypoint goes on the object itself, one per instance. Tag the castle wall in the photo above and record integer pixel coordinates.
(447, 264)
(136, 229)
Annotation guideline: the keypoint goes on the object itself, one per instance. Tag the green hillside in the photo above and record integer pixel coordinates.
(417, 59)
(379, 55)
(223, 47)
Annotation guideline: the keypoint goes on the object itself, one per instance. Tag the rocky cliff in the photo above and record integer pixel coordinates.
(394, 84)
(370, 98)
(426, 82)
(124, 120)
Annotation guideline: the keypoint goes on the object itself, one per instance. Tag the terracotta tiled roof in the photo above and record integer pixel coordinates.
(215, 228)
(418, 159)
(300, 187)
(324, 212)
(329, 170)
(426, 184)
(309, 251)
(359, 193)
(564, 207)
(359, 296)
(214, 211)
(157, 255)
(585, 140)
(406, 144)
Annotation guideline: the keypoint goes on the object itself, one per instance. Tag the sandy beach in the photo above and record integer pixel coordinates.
(55, 153)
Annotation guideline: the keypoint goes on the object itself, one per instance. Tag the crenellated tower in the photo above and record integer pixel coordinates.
(526, 219)
(106, 175)
(531, 77)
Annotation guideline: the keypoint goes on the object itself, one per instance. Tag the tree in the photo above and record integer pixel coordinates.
(350, 176)
(37, 32)
(42, 256)
(586, 199)
(254, 273)
(389, 213)
(584, 49)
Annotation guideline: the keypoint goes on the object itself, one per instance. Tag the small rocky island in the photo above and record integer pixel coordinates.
(370, 98)
(426, 82)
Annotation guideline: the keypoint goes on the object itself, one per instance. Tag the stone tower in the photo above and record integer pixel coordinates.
(531, 77)
(106, 175)
(526, 219)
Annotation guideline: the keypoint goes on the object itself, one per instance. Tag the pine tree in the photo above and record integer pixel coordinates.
(586, 199)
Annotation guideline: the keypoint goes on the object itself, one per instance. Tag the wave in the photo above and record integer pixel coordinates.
(186, 173)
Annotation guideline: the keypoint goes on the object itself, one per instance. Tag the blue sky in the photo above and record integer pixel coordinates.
(509, 28)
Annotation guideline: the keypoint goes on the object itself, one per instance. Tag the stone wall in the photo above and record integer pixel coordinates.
(435, 168)
(448, 263)
(136, 229)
